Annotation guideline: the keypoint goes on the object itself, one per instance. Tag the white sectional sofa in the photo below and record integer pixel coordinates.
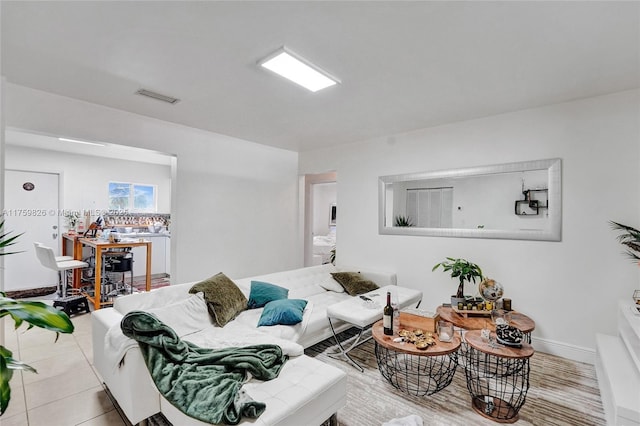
(307, 391)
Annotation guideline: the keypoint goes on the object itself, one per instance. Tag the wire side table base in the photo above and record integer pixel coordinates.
(497, 378)
(418, 375)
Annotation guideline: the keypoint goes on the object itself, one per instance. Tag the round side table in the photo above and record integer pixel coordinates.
(519, 320)
(497, 377)
(418, 372)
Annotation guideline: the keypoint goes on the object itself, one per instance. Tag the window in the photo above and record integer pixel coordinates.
(132, 197)
(431, 207)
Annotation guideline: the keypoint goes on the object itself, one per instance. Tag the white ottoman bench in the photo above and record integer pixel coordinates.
(362, 314)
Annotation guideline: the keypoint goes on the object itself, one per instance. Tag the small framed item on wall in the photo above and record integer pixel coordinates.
(332, 215)
(527, 208)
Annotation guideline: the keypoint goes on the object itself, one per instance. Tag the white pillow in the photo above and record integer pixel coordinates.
(185, 317)
(332, 285)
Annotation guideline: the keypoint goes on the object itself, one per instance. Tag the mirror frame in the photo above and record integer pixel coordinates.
(553, 233)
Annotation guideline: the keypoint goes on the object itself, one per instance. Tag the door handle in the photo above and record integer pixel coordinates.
(54, 235)
(55, 226)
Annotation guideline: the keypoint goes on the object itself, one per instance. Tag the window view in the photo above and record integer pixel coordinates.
(430, 207)
(132, 197)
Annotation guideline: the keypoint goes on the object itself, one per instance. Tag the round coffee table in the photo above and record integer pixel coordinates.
(497, 377)
(418, 372)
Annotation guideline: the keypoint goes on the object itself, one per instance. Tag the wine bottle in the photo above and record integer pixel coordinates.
(387, 316)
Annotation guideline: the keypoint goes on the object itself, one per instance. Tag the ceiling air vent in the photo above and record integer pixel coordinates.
(158, 96)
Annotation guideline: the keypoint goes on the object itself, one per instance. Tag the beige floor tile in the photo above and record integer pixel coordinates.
(44, 351)
(15, 420)
(58, 387)
(63, 365)
(38, 337)
(10, 335)
(82, 321)
(112, 418)
(72, 410)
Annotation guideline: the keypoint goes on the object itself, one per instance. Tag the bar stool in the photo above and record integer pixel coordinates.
(58, 258)
(70, 304)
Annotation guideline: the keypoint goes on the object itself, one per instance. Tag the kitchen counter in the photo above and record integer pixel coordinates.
(143, 234)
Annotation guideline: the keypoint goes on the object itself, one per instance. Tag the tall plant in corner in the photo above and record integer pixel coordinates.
(630, 238)
(34, 313)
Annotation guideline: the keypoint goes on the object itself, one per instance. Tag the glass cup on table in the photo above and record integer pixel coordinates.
(445, 331)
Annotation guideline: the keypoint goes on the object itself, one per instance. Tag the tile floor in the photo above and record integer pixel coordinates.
(66, 390)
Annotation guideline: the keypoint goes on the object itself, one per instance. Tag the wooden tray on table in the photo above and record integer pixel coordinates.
(471, 313)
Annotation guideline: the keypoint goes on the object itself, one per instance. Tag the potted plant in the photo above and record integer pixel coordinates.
(402, 221)
(463, 270)
(72, 217)
(35, 313)
(631, 239)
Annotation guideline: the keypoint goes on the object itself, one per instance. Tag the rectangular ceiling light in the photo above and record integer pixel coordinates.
(300, 71)
(81, 142)
(157, 96)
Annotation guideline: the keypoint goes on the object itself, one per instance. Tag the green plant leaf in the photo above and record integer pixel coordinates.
(6, 241)
(37, 314)
(5, 378)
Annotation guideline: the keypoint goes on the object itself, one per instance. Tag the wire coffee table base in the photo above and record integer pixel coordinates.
(417, 375)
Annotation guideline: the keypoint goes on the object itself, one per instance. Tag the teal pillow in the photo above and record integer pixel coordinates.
(283, 311)
(263, 293)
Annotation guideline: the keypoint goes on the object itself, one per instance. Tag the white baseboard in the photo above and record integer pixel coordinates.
(564, 350)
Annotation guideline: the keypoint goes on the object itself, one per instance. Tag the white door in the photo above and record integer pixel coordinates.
(31, 207)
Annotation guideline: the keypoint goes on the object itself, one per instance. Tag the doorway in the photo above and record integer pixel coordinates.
(320, 218)
(32, 201)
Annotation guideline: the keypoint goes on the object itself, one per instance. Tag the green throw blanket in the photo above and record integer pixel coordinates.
(202, 383)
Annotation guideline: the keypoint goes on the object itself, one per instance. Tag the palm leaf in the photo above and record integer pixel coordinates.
(632, 233)
(6, 241)
(631, 239)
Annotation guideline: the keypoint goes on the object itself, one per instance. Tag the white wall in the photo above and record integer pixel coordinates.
(85, 179)
(569, 288)
(234, 203)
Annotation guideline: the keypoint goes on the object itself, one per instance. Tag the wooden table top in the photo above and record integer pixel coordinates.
(440, 348)
(518, 320)
(474, 339)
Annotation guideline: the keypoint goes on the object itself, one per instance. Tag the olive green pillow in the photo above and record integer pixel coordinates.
(224, 299)
(354, 283)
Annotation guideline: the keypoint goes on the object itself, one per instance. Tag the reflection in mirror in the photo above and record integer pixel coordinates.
(514, 200)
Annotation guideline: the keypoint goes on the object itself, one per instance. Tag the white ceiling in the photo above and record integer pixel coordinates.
(403, 65)
(120, 152)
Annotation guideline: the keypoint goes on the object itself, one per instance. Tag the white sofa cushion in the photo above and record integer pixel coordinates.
(306, 392)
(235, 334)
(330, 284)
(293, 333)
(185, 317)
(153, 299)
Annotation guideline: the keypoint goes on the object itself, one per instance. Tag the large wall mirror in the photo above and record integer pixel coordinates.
(513, 201)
